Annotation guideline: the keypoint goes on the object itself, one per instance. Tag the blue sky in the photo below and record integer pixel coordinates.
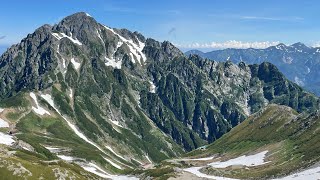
(188, 24)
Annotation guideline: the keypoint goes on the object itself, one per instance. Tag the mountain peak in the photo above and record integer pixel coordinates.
(299, 45)
(280, 46)
(75, 22)
(79, 15)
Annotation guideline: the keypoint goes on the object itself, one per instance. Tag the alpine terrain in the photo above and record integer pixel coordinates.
(298, 62)
(81, 100)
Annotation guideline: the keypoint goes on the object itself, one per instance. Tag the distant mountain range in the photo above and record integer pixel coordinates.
(297, 62)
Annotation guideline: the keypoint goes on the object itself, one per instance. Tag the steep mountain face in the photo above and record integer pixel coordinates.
(211, 97)
(84, 92)
(297, 62)
(272, 143)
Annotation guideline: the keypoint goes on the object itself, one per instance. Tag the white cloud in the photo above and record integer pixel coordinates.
(230, 44)
(272, 18)
(316, 44)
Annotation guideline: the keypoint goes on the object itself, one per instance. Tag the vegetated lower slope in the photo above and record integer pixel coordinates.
(297, 62)
(22, 164)
(290, 139)
(112, 100)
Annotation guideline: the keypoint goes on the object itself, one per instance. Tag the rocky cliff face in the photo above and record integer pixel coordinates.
(297, 62)
(123, 91)
(210, 97)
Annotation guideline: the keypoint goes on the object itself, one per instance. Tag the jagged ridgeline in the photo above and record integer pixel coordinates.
(84, 90)
(297, 62)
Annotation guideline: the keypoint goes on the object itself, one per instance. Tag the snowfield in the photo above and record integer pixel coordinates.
(100, 172)
(110, 149)
(152, 87)
(59, 36)
(66, 158)
(251, 160)
(113, 63)
(95, 170)
(117, 123)
(313, 173)
(39, 110)
(198, 159)
(135, 50)
(148, 158)
(75, 64)
(53, 149)
(71, 93)
(6, 139)
(3, 123)
(112, 163)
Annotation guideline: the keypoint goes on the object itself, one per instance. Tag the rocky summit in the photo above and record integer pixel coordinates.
(111, 100)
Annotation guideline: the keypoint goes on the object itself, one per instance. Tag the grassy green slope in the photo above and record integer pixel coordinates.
(290, 138)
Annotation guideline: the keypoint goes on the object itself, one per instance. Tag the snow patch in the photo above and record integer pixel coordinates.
(6, 139)
(53, 149)
(135, 50)
(88, 15)
(66, 158)
(64, 63)
(198, 159)
(100, 172)
(99, 36)
(3, 123)
(251, 160)
(96, 170)
(117, 123)
(137, 161)
(75, 64)
(71, 93)
(112, 163)
(59, 36)
(26, 148)
(313, 173)
(195, 171)
(110, 149)
(148, 159)
(152, 87)
(39, 110)
(113, 63)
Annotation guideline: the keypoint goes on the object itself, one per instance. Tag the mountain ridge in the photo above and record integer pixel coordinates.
(297, 61)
